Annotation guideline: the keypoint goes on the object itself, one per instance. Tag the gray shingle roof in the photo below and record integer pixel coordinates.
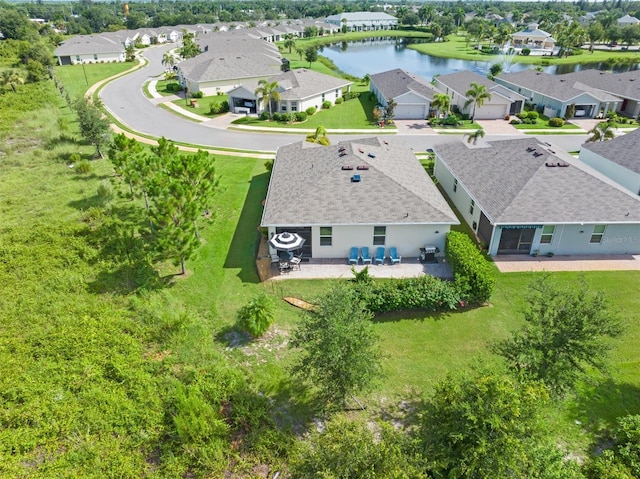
(361, 16)
(88, 44)
(559, 87)
(623, 150)
(394, 83)
(625, 85)
(306, 83)
(513, 186)
(461, 81)
(309, 187)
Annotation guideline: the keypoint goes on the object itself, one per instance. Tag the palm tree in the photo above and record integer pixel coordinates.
(269, 93)
(442, 103)
(320, 136)
(477, 94)
(12, 78)
(168, 60)
(366, 79)
(603, 131)
(473, 137)
(289, 41)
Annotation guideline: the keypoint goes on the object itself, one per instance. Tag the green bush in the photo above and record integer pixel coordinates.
(326, 105)
(173, 87)
(556, 122)
(350, 95)
(264, 115)
(301, 116)
(525, 51)
(311, 111)
(256, 317)
(217, 108)
(279, 117)
(339, 100)
(197, 94)
(474, 275)
(83, 167)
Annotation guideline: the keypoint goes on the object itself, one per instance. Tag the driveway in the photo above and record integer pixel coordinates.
(498, 127)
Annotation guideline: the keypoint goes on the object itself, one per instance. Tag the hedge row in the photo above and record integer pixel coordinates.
(474, 275)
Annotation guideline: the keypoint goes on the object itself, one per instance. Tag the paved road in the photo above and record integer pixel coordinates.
(124, 98)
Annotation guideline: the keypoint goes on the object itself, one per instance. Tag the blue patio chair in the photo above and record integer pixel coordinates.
(353, 255)
(393, 255)
(379, 255)
(364, 255)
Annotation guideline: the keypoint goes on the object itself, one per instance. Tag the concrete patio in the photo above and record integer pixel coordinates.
(609, 262)
(338, 268)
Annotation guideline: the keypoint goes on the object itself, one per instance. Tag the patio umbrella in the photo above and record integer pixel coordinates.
(286, 241)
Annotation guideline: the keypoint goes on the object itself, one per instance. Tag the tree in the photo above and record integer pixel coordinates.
(320, 136)
(130, 53)
(300, 52)
(256, 316)
(487, 425)
(567, 330)
(366, 79)
(189, 47)
(476, 95)
(168, 60)
(350, 450)
(389, 110)
(289, 41)
(442, 103)
(473, 137)
(15, 25)
(311, 55)
(595, 33)
(94, 127)
(12, 78)
(495, 70)
(603, 131)
(339, 351)
(268, 93)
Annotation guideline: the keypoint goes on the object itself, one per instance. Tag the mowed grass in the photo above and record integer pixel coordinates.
(73, 76)
(204, 104)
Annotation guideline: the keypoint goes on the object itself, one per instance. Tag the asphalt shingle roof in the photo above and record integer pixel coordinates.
(88, 44)
(623, 150)
(461, 81)
(309, 187)
(625, 85)
(558, 87)
(394, 83)
(361, 16)
(513, 186)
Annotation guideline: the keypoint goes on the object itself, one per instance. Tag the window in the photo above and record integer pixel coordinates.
(294, 106)
(547, 234)
(598, 233)
(473, 205)
(95, 56)
(323, 97)
(283, 107)
(379, 235)
(326, 235)
(77, 58)
(455, 185)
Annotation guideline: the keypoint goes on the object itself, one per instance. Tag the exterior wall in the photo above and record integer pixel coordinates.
(575, 239)
(213, 87)
(621, 175)
(460, 198)
(381, 99)
(95, 58)
(632, 108)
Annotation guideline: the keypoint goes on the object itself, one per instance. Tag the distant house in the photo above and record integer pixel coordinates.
(534, 38)
(228, 61)
(363, 21)
(618, 159)
(554, 94)
(503, 101)
(523, 196)
(90, 49)
(413, 94)
(368, 192)
(299, 90)
(627, 20)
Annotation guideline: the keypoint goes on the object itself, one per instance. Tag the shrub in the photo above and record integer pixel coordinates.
(556, 122)
(301, 116)
(350, 95)
(339, 100)
(311, 111)
(515, 121)
(279, 116)
(256, 317)
(197, 94)
(326, 105)
(105, 192)
(222, 107)
(264, 115)
(474, 275)
(83, 167)
(173, 87)
(525, 51)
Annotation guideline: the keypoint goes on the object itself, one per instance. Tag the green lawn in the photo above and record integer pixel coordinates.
(204, 104)
(542, 123)
(161, 88)
(73, 76)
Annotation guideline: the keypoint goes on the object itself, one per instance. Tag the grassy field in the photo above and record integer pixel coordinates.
(204, 104)
(73, 76)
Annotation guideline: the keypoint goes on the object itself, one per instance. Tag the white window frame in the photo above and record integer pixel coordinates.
(546, 237)
(597, 234)
(326, 236)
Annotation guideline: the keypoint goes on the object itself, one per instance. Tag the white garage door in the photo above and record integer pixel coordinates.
(410, 112)
(491, 112)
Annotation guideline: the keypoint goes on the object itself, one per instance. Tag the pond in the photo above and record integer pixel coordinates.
(375, 55)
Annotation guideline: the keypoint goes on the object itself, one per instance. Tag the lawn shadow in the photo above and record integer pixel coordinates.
(598, 406)
(244, 244)
(233, 337)
(395, 316)
(403, 414)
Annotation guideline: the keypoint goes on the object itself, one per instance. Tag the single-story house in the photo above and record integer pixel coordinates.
(527, 197)
(90, 49)
(229, 60)
(368, 192)
(627, 20)
(412, 94)
(299, 90)
(555, 93)
(363, 21)
(534, 38)
(503, 101)
(618, 159)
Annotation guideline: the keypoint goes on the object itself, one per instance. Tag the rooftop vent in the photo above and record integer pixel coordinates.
(550, 165)
(537, 154)
(360, 150)
(371, 155)
(347, 167)
(531, 148)
(342, 154)
(355, 179)
(362, 167)
(341, 149)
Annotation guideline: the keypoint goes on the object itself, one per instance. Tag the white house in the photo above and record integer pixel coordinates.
(534, 38)
(413, 94)
(526, 197)
(627, 20)
(299, 89)
(503, 101)
(369, 192)
(618, 159)
(90, 49)
(363, 21)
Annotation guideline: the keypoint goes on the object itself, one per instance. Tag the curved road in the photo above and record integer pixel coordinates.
(125, 100)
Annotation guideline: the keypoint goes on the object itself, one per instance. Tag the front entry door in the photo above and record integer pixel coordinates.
(516, 241)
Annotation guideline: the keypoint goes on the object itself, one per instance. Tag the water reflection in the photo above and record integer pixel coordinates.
(374, 55)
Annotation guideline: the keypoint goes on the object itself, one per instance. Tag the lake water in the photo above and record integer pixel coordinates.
(377, 55)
